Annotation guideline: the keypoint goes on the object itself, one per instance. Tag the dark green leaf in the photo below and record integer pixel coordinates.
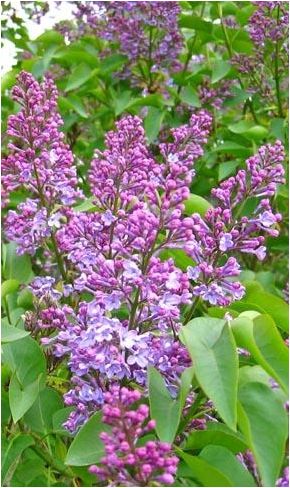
(12, 455)
(203, 472)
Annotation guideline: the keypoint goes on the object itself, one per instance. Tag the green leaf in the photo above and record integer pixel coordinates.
(188, 95)
(112, 63)
(22, 397)
(203, 472)
(77, 105)
(261, 338)
(220, 70)
(26, 358)
(234, 148)
(12, 455)
(78, 77)
(263, 421)
(224, 460)
(152, 123)
(39, 416)
(121, 101)
(87, 448)
(195, 22)
(180, 258)
(9, 286)
(164, 409)
(217, 434)
(49, 37)
(266, 303)
(86, 206)
(249, 130)
(16, 267)
(195, 203)
(213, 351)
(11, 334)
(241, 127)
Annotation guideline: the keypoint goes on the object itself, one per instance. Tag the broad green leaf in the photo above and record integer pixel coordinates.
(21, 398)
(26, 359)
(39, 416)
(25, 299)
(165, 410)
(265, 302)
(220, 70)
(230, 147)
(213, 351)
(12, 455)
(78, 77)
(263, 421)
(258, 334)
(77, 105)
(197, 204)
(225, 461)
(112, 63)
(121, 101)
(49, 37)
(217, 434)
(152, 123)
(87, 448)
(16, 267)
(204, 472)
(188, 95)
(9, 286)
(11, 334)
(241, 127)
(195, 22)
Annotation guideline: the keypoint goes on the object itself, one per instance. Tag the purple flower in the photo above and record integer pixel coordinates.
(125, 461)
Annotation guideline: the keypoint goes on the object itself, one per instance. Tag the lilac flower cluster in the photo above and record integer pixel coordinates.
(146, 32)
(269, 22)
(284, 480)
(222, 232)
(127, 462)
(40, 162)
(214, 96)
(268, 29)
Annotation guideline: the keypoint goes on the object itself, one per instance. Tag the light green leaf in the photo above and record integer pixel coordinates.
(12, 455)
(225, 461)
(164, 409)
(26, 359)
(220, 70)
(87, 448)
(258, 334)
(9, 286)
(213, 351)
(16, 267)
(78, 77)
(204, 472)
(217, 434)
(22, 397)
(152, 123)
(263, 421)
(11, 334)
(39, 416)
(188, 95)
(196, 204)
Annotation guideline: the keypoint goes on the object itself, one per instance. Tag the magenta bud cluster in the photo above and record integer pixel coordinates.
(128, 461)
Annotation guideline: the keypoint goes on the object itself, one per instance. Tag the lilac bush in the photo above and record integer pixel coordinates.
(145, 226)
